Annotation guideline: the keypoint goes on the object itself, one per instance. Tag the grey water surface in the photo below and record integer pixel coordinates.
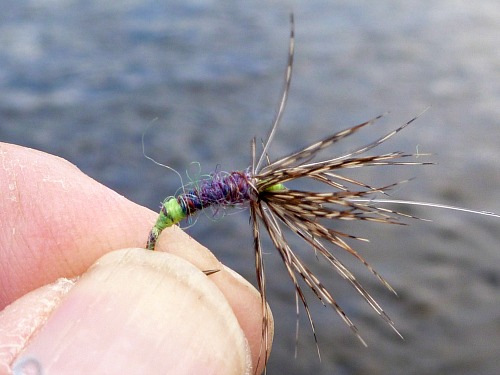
(86, 79)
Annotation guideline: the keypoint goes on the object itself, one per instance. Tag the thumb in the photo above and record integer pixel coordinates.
(139, 312)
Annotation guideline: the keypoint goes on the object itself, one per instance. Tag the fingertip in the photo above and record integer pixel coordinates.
(137, 311)
(242, 296)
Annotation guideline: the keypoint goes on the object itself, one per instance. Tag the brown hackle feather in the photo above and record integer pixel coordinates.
(304, 213)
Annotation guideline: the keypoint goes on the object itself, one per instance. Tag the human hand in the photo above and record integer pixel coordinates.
(76, 306)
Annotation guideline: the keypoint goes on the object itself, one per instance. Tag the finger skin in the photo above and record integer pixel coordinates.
(138, 312)
(58, 222)
(244, 299)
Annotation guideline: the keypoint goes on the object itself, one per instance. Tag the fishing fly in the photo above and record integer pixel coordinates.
(307, 214)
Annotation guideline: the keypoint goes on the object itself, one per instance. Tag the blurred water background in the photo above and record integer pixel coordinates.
(85, 79)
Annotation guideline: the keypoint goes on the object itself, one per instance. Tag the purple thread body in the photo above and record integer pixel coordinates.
(222, 189)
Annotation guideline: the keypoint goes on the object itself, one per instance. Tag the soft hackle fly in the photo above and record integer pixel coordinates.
(272, 205)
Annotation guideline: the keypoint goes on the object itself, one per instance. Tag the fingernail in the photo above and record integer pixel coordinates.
(140, 312)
